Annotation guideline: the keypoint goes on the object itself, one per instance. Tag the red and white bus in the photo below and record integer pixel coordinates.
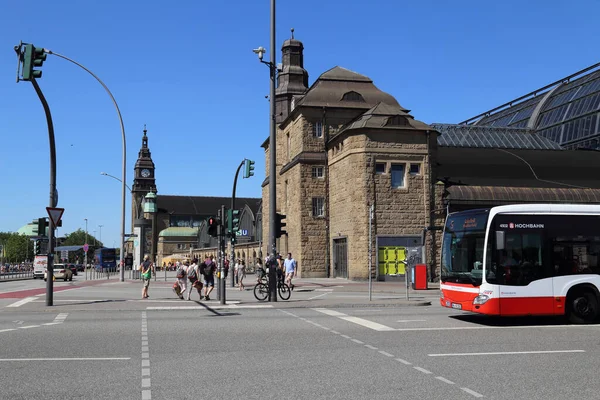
(528, 259)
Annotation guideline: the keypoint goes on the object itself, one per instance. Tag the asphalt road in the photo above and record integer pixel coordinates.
(102, 341)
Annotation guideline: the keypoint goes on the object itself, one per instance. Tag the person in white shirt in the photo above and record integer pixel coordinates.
(181, 277)
(290, 269)
(193, 275)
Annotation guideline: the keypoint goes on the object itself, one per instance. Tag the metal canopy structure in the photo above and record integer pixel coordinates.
(492, 137)
(68, 248)
(566, 111)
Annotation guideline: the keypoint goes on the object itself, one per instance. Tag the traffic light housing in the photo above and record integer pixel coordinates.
(279, 225)
(213, 223)
(37, 247)
(41, 226)
(233, 222)
(248, 169)
(32, 57)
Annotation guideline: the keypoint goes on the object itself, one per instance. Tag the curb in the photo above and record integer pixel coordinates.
(359, 305)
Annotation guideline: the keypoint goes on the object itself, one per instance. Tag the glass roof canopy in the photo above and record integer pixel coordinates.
(566, 111)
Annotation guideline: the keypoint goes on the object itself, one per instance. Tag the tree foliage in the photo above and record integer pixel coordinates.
(16, 248)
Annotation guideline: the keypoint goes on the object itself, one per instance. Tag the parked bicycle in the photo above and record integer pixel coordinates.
(261, 290)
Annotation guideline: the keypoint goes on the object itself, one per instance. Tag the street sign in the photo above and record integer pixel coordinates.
(64, 254)
(85, 247)
(55, 214)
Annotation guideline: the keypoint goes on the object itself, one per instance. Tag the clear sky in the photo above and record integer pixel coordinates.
(186, 70)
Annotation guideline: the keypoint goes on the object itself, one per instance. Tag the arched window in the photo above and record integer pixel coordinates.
(353, 96)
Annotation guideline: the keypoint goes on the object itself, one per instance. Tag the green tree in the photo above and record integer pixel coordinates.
(18, 248)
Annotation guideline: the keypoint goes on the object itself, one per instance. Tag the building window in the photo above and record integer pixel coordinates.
(181, 246)
(317, 172)
(380, 168)
(353, 96)
(415, 169)
(289, 146)
(397, 172)
(318, 207)
(318, 129)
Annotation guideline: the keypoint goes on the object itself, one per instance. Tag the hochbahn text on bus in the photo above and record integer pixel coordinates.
(528, 259)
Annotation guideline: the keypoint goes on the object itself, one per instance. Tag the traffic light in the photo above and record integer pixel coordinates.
(279, 225)
(213, 223)
(233, 222)
(32, 57)
(41, 226)
(249, 169)
(37, 247)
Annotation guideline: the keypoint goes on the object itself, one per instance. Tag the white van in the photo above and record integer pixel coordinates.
(39, 266)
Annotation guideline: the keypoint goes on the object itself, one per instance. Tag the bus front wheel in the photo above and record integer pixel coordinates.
(583, 307)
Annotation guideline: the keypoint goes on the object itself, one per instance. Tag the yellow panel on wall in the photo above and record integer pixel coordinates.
(389, 260)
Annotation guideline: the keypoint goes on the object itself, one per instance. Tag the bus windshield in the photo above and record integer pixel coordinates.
(462, 247)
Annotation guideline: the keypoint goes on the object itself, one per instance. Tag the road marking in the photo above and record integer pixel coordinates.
(316, 297)
(472, 392)
(324, 290)
(67, 359)
(500, 353)
(403, 361)
(334, 332)
(412, 320)
(345, 336)
(52, 323)
(8, 330)
(423, 370)
(22, 301)
(357, 341)
(368, 346)
(146, 390)
(29, 326)
(386, 353)
(441, 378)
(356, 320)
(216, 307)
(61, 317)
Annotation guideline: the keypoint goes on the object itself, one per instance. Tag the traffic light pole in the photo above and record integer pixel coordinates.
(272, 164)
(232, 257)
(221, 282)
(53, 195)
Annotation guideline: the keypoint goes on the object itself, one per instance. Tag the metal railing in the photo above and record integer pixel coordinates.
(10, 274)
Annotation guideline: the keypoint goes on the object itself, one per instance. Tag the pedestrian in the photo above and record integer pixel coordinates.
(260, 271)
(290, 270)
(193, 276)
(209, 276)
(146, 268)
(181, 279)
(241, 274)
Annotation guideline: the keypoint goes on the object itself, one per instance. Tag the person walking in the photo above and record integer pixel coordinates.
(146, 268)
(193, 276)
(290, 270)
(209, 276)
(181, 278)
(241, 273)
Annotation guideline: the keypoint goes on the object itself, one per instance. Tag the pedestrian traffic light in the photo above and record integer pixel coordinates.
(42, 224)
(279, 225)
(213, 223)
(32, 57)
(249, 169)
(233, 222)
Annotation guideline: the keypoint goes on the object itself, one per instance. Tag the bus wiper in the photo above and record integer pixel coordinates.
(468, 275)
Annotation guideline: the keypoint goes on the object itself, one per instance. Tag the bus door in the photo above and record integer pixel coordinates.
(527, 288)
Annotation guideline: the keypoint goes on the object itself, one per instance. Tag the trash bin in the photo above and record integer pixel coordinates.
(419, 277)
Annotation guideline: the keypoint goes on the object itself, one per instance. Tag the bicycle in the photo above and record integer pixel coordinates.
(261, 289)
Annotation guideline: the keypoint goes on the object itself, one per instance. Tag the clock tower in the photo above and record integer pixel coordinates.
(143, 179)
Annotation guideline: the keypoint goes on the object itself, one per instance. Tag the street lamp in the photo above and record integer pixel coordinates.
(100, 235)
(272, 159)
(86, 249)
(128, 188)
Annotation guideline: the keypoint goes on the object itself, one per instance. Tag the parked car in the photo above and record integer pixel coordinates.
(61, 271)
(80, 268)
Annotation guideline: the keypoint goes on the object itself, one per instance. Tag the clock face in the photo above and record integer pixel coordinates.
(145, 173)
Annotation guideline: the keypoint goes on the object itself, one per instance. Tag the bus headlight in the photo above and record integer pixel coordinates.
(481, 299)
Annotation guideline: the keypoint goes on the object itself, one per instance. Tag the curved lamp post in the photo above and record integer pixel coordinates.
(124, 156)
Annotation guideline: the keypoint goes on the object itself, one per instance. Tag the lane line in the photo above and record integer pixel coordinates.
(21, 302)
(334, 332)
(346, 336)
(403, 361)
(356, 320)
(8, 330)
(386, 353)
(316, 297)
(219, 307)
(423, 370)
(357, 341)
(67, 359)
(441, 378)
(368, 346)
(500, 353)
(29, 326)
(472, 392)
(412, 320)
(146, 379)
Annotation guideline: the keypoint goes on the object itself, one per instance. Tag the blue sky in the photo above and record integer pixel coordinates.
(186, 70)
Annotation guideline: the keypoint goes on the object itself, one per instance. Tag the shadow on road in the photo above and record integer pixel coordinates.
(510, 321)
